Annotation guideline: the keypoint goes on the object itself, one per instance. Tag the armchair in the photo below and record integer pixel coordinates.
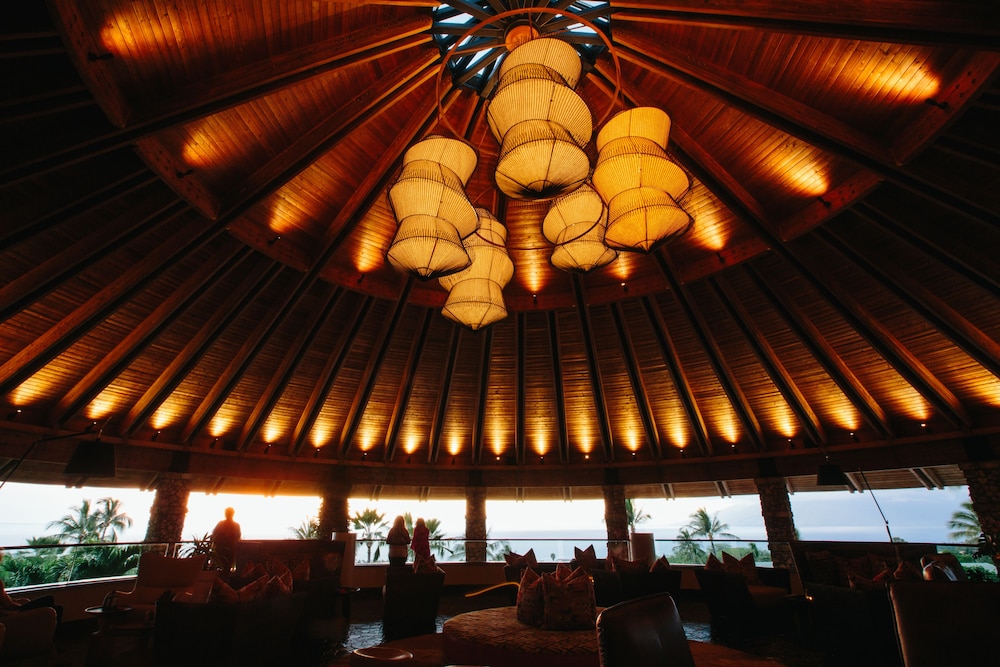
(644, 632)
(158, 574)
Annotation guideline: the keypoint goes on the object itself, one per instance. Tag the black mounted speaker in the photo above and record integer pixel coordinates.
(92, 458)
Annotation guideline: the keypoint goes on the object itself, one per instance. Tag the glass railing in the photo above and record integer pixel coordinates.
(45, 564)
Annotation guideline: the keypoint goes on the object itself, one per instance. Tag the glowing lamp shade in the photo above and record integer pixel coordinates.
(541, 123)
(431, 207)
(576, 225)
(428, 247)
(539, 160)
(475, 295)
(643, 218)
(641, 184)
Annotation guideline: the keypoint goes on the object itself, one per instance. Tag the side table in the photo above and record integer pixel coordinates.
(101, 642)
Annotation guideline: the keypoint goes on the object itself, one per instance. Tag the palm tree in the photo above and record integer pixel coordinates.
(964, 525)
(83, 525)
(634, 515)
(688, 551)
(111, 517)
(371, 524)
(307, 530)
(703, 525)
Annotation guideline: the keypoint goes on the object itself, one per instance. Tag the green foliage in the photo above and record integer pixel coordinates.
(87, 524)
(709, 527)
(634, 515)
(687, 550)
(964, 525)
(307, 530)
(371, 526)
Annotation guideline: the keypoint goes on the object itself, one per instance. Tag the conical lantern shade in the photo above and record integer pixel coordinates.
(475, 295)
(643, 218)
(576, 224)
(539, 160)
(429, 188)
(631, 162)
(453, 154)
(427, 247)
(554, 54)
(532, 92)
(641, 122)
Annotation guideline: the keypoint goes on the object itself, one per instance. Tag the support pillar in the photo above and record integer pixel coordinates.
(778, 521)
(475, 524)
(169, 509)
(334, 516)
(616, 519)
(983, 478)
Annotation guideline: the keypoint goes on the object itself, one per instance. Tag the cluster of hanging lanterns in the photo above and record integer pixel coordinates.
(543, 127)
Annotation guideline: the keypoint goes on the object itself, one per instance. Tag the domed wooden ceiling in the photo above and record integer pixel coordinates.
(195, 221)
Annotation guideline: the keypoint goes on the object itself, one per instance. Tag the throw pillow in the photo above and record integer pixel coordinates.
(628, 566)
(907, 571)
(275, 567)
(252, 571)
(713, 564)
(569, 600)
(587, 558)
(223, 592)
(517, 560)
(424, 565)
(279, 585)
(301, 570)
(660, 564)
(744, 566)
(530, 607)
(254, 589)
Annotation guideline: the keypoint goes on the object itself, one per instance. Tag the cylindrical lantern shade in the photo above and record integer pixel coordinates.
(643, 218)
(428, 188)
(456, 155)
(554, 54)
(629, 163)
(428, 247)
(533, 92)
(539, 160)
(475, 295)
(641, 122)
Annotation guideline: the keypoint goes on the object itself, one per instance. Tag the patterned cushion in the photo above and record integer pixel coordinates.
(252, 571)
(254, 589)
(530, 600)
(569, 600)
(587, 558)
(660, 564)
(713, 564)
(744, 566)
(424, 565)
(223, 592)
(628, 566)
(301, 570)
(279, 584)
(517, 560)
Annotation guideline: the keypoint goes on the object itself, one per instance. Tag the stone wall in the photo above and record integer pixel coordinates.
(776, 509)
(169, 509)
(475, 524)
(983, 478)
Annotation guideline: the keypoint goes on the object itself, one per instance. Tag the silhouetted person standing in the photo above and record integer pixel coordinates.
(225, 537)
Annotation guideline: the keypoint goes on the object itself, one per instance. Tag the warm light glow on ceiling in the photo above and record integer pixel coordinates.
(679, 433)
(367, 437)
(911, 402)
(632, 439)
(366, 260)
(164, 415)
(320, 434)
(283, 214)
(411, 444)
(198, 151)
(905, 79)
(624, 266)
(728, 428)
(272, 432)
(710, 230)
(101, 407)
(986, 386)
(783, 418)
(846, 415)
(454, 445)
(800, 167)
(220, 424)
(541, 444)
(29, 391)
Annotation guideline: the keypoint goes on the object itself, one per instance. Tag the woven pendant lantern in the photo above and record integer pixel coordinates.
(641, 184)
(541, 123)
(576, 225)
(430, 205)
(475, 295)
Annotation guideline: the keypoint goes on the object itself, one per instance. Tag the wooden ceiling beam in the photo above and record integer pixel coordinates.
(324, 383)
(558, 385)
(364, 45)
(111, 364)
(256, 279)
(782, 379)
(794, 119)
(737, 398)
(479, 423)
(35, 283)
(824, 353)
(878, 336)
(965, 25)
(327, 298)
(190, 236)
(520, 391)
(594, 368)
(370, 376)
(643, 404)
(441, 405)
(937, 311)
(405, 389)
(677, 374)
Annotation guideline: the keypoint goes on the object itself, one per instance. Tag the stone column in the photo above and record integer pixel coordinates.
(778, 521)
(616, 519)
(983, 478)
(475, 524)
(166, 516)
(334, 516)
